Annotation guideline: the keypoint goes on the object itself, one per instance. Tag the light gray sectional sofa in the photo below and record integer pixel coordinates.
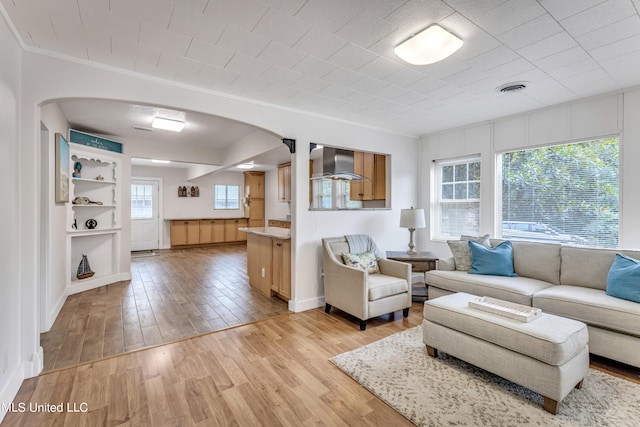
(568, 281)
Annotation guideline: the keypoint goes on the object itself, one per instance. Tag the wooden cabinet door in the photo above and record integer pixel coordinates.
(231, 233)
(356, 186)
(185, 232)
(206, 231)
(256, 213)
(380, 177)
(242, 223)
(178, 233)
(368, 168)
(218, 230)
(193, 232)
(284, 183)
(254, 184)
(281, 269)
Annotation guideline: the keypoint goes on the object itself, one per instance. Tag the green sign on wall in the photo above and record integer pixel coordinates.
(94, 141)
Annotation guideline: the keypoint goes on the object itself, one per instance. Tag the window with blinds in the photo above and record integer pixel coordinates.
(226, 196)
(457, 198)
(566, 193)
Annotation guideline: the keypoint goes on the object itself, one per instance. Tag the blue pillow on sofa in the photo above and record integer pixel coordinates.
(496, 261)
(623, 280)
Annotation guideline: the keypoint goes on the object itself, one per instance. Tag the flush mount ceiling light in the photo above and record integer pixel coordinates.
(249, 165)
(430, 45)
(167, 124)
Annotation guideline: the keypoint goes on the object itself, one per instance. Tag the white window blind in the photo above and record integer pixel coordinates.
(566, 193)
(457, 198)
(226, 196)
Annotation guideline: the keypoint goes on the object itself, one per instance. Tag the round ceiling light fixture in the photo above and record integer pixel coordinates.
(512, 87)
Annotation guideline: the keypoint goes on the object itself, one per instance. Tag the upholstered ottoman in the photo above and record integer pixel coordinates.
(548, 355)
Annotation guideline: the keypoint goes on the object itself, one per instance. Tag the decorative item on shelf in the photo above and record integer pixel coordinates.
(99, 178)
(91, 223)
(412, 219)
(193, 191)
(84, 269)
(77, 167)
(75, 224)
(84, 201)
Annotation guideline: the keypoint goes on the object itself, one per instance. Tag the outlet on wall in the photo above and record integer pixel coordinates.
(263, 273)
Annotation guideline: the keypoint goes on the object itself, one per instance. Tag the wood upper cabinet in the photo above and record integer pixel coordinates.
(185, 232)
(284, 182)
(373, 167)
(254, 191)
(254, 184)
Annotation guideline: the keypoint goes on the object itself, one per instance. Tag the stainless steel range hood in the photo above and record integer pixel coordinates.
(337, 163)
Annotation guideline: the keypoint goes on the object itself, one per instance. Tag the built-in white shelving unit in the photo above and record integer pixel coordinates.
(94, 229)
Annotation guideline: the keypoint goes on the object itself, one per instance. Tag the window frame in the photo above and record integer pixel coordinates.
(436, 228)
(226, 199)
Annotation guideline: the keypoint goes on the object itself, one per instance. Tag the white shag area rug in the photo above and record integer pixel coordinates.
(448, 391)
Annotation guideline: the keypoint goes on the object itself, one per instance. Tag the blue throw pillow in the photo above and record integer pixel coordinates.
(623, 280)
(496, 261)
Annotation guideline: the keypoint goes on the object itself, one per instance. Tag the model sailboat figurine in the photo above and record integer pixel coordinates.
(84, 269)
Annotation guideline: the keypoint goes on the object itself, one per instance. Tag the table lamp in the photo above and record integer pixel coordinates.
(412, 219)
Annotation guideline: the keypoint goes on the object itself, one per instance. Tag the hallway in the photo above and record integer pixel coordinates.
(175, 294)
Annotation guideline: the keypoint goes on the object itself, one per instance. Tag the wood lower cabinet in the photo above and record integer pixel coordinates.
(211, 231)
(278, 223)
(269, 265)
(281, 268)
(207, 231)
(185, 232)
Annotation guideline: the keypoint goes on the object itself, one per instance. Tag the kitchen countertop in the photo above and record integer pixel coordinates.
(276, 232)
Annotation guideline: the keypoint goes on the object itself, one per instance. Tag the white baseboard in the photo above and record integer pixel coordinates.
(53, 314)
(308, 304)
(35, 366)
(10, 390)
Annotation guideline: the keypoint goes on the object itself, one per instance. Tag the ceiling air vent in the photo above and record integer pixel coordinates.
(511, 87)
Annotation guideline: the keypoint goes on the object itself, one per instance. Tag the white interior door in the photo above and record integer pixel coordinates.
(144, 215)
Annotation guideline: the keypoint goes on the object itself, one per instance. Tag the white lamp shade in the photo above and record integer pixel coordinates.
(412, 218)
(431, 45)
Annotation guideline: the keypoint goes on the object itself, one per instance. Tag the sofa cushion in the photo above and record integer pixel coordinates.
(365, 261)
(462, 253)
(514, 289)
(537, 260)
(382, 286)
(623, 280)
(592, 306)
(496, 261)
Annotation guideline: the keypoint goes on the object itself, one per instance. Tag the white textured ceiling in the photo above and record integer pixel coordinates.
(335, 57)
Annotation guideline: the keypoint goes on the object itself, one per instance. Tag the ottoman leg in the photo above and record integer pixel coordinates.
(551, 405)
(433, 352)
(579, 385)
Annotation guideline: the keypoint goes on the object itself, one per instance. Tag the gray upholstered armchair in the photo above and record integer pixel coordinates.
(360, 293)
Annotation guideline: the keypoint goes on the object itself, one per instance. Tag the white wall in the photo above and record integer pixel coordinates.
(13, 358)
(53, 295)
(580, 120)
(174, 207)
(274, 209)
(48, 78)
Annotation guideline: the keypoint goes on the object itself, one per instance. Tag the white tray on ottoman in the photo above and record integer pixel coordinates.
(549, 355)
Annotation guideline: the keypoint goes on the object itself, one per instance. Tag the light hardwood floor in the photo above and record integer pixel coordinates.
(271, 372)
(176, 294)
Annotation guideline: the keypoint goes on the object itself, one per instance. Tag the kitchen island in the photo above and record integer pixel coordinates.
(269, 260)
